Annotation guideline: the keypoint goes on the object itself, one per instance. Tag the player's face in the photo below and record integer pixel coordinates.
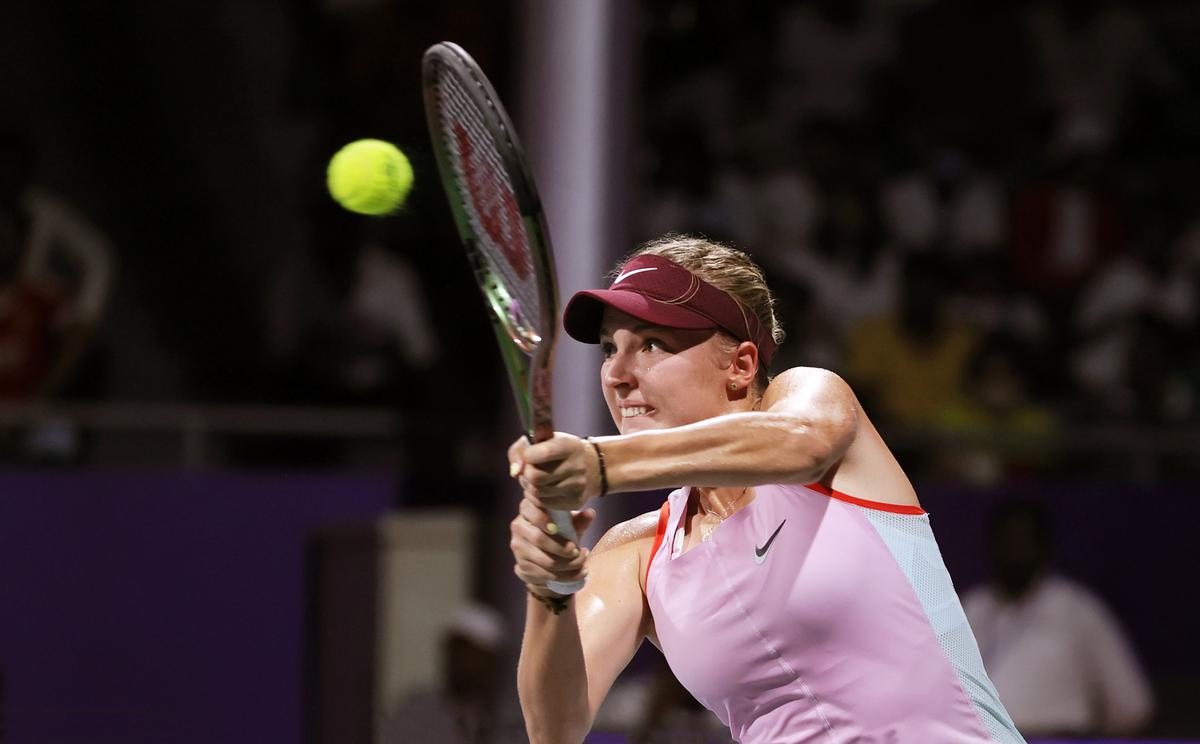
(655, 377)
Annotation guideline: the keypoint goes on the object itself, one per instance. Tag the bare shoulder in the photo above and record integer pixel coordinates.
(808, 385)
(631, 534)
(624, 551)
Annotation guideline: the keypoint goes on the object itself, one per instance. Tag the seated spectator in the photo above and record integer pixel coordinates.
(1090, 55)
(820, 226)
(998, 406)
(470, 705)
(1127, 358)
(1158, 392)
(1056, 654)
(947, 202)
(347, 315)
(55, 272)
(57, 269)
(986, 298)
(830, 52)
(911, 364)
(1068, 223)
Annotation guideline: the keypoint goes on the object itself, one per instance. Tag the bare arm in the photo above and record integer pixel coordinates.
(807, 422)
(569, 661)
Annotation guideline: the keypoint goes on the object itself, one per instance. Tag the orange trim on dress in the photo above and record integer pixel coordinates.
(881, 506)
(664, 515)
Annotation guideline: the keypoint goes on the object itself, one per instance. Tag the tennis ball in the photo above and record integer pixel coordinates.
(370, 176)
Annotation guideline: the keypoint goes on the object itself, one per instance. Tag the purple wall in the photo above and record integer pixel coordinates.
(1134, 546)
(161, 607)
(141, 608)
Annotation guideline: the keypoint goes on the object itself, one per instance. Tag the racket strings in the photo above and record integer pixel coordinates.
(489, 202)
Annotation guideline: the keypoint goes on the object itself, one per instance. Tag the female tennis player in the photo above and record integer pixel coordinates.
(793, 582)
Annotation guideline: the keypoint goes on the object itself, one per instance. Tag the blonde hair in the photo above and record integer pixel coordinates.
(728, 269)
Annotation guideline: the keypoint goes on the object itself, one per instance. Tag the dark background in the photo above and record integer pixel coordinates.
(194, 136)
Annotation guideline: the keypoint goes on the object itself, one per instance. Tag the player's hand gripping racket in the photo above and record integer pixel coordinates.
(500, 221)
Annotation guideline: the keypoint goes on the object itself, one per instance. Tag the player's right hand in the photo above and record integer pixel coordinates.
(541, 557)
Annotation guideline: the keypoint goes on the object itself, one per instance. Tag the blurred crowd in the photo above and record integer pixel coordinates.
(983, 215)
(166, 236)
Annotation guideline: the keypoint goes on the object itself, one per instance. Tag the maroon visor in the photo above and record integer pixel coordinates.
(660, 291)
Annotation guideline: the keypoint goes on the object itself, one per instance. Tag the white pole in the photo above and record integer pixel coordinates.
(573, 112)
(572, 118)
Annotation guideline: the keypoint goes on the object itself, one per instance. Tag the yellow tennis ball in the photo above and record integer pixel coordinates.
(370, 176)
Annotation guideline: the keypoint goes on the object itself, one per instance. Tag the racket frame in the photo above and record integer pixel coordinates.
(528, 357)
(530, 362)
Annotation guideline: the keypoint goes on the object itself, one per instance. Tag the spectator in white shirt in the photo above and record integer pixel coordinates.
(1055, 652)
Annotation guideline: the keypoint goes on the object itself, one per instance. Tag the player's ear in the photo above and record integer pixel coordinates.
(744, 366)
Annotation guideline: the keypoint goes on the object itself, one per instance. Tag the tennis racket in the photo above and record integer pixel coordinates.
(500, 220)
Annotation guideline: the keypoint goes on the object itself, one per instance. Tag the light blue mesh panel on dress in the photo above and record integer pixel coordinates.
(910, 539)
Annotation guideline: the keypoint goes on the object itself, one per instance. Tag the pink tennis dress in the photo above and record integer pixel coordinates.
(811, 616)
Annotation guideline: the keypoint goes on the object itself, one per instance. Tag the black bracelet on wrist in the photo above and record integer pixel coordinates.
(600, 462)
(554, 604)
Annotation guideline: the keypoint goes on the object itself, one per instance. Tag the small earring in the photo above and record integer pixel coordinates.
(733, 386)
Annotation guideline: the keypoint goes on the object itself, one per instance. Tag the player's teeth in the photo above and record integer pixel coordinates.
(635, 411)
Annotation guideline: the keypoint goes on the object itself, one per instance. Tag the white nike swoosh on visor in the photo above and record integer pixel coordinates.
(628, 274)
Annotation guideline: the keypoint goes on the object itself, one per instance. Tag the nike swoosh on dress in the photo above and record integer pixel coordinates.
(760, 554)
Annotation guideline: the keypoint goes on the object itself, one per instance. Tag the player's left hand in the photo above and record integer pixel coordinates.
(562, 472)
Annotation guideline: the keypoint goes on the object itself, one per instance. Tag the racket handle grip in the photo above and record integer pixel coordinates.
(567, 530)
